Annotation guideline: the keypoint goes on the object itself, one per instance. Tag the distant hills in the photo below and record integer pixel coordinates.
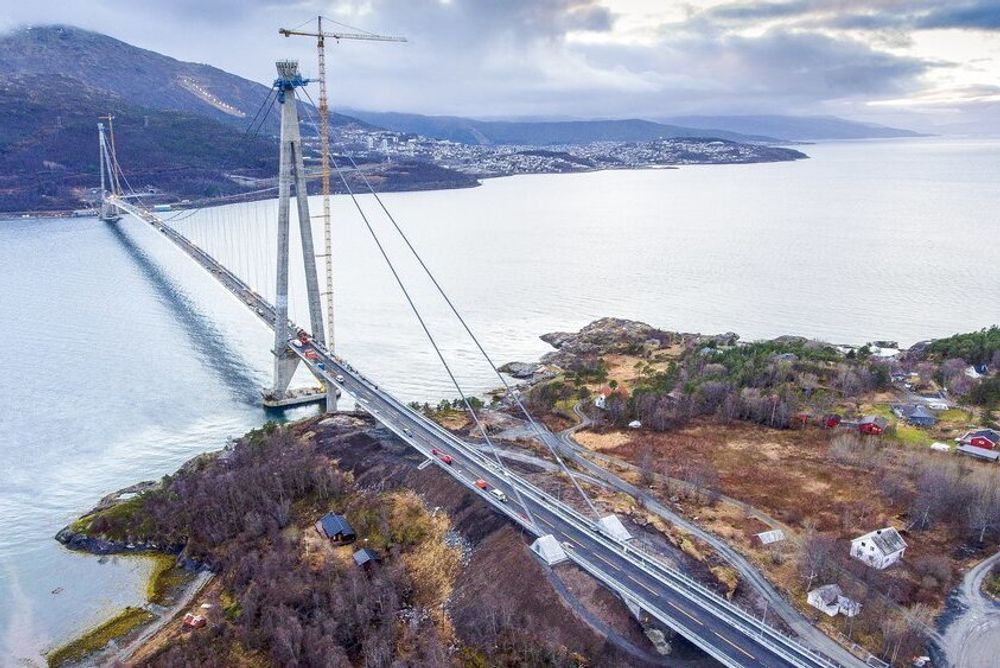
(761, 129)
(142, 78)
(179, 126)
(542, 133)
(795, 128)
(182, 126)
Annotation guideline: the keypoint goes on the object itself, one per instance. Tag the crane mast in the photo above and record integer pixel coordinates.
(324, 144)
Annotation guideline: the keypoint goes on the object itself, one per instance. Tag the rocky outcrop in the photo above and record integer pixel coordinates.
(521, 370)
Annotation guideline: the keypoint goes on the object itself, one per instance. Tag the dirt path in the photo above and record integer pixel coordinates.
(970, 634)
(166, 615)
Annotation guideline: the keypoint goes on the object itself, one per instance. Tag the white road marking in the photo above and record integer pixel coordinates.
(644, 586)
(734, 645)
(685, 612)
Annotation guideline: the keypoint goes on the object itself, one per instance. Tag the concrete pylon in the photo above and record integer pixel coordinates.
(292, 173)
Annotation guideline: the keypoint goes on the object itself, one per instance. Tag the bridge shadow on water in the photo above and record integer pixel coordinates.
(208, 342)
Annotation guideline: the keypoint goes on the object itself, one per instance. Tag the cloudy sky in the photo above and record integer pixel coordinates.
(930, 64)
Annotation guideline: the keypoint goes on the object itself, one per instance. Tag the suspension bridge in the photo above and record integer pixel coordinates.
(600, 545)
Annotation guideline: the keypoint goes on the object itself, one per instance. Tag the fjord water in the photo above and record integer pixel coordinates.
(122, 358)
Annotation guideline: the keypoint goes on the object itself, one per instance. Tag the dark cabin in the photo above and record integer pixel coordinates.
(336, 528)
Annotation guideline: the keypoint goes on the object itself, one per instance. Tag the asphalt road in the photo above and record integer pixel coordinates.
(972, 637)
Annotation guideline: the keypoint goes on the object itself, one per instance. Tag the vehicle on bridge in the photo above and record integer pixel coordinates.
(499, 495)
(446, 458)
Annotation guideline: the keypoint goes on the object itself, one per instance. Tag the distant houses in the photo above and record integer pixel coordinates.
(606, 392)
(830, 600)
(916, 414)
(335, 528)
(880, 548)
(988, 439)
(873, 425)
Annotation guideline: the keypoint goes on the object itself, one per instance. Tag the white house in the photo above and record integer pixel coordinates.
(880, 548)
(830, 600)
(824, 599)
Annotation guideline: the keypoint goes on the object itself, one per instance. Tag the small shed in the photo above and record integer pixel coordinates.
(194, 621)
(336, 528)
(366, 557)
(769, 537)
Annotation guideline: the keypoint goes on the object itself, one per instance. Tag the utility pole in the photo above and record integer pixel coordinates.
(324, 143)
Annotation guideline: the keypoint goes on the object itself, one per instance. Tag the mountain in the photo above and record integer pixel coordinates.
(181, 127)
(143, 78)
(795, 128)
(541, 133)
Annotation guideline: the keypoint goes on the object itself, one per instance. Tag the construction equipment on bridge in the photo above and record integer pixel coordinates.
(324, 143)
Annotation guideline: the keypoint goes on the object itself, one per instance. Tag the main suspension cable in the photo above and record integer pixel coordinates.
(433, 341)
(508, 389)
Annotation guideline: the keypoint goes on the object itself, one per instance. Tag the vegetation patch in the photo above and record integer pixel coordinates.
(97, 638)
(166, 579)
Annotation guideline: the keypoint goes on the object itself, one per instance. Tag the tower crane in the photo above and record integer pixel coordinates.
(324, 143)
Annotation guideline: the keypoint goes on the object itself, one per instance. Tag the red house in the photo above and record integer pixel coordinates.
(988, 439)
(873, 425)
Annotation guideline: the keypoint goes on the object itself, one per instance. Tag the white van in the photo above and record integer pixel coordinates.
(500, 495)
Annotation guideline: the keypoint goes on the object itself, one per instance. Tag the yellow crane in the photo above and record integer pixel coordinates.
(324, 143)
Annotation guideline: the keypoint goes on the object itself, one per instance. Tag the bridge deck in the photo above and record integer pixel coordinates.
(721, 629)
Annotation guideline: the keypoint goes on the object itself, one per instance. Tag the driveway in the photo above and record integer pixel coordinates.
(970, 633)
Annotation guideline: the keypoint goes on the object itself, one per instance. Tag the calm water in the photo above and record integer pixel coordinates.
(122, 359)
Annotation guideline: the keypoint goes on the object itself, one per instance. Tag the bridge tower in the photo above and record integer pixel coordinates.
(109, 213)
(291, 175)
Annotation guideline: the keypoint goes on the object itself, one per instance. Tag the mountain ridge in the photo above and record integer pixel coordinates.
(541, 133)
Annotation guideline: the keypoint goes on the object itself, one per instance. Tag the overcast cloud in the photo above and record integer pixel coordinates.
(920, 62)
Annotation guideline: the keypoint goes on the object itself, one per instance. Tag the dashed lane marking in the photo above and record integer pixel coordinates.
(644, 586)
(685, 612)
(597, 556)
(734, 645)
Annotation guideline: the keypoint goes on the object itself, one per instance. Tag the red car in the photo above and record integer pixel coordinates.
(442, 456)
(310, 355)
